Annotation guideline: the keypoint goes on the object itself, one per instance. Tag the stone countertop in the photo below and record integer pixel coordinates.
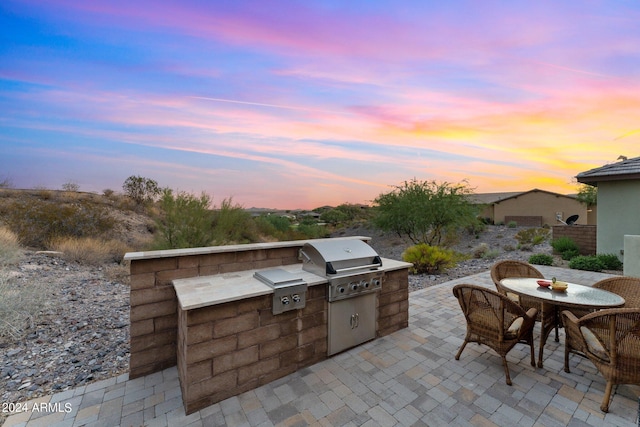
(203, 291)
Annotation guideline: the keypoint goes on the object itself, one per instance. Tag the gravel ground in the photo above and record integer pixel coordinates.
(499, 239)
(82, 334)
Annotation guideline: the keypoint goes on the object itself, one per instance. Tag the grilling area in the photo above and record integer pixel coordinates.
(233, 318)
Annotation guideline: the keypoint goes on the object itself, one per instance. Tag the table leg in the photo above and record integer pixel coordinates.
(548, 321)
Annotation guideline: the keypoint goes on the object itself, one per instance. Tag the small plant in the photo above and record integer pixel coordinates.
(10, 251)
(491, 254)
(587, 263)
(19, 304)
(430, 259)
(512, 224)
(481, 250)
(532, 236)
(541, 259)
(569, 254)
(564, 243)
(509, 248)
(610, 261)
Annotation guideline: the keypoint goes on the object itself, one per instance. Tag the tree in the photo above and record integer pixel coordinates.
(588, 195)
(141, 190)
(186, 220)
(425, 211)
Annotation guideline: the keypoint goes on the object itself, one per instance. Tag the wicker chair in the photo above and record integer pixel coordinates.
(495, 320)
(627, 287)
(512, 268)
(611, 340)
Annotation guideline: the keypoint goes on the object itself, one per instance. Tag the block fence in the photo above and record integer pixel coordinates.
(583, 235)
(154, 305)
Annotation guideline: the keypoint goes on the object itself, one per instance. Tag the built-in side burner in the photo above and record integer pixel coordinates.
(288, 289)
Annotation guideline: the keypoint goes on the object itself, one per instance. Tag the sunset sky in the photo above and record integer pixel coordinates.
(300, 104)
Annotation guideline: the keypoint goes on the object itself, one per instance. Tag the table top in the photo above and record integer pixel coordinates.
(575, 295)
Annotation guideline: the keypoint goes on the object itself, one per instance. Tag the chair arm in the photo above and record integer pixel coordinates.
(532, 312)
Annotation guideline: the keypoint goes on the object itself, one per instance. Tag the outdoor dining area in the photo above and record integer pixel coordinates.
(424, 374)
(601, 321)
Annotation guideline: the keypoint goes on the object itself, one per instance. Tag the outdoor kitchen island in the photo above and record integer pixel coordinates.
(234, 334)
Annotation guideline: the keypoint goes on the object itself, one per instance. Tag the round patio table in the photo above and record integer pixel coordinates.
(553, 302)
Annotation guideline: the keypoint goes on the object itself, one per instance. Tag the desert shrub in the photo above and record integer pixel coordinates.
(476, 228)
(10, 250)
(19, 304)
(90, 250)
(587, 263)
(308, 228)
(569, 254)
(610, 261)
(36, 222)
(430, 259)
(509, 248)
(512, 224)
(71, 187)
(532, 236)
(564, 243)
(481, 250)
(233, 225)
(541, 259)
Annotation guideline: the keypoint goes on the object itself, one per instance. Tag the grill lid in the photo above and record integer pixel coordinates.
(338, 256)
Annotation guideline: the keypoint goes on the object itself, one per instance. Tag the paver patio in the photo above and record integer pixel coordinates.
(409, 378)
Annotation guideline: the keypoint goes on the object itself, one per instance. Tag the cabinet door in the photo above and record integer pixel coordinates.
(352, 321)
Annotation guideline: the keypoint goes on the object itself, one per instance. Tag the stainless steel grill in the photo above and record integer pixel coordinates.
(354, 273)
(352, 266)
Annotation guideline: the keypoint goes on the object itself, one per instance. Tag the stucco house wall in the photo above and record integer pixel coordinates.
(618, 213)
(618, 204)
(540, 203)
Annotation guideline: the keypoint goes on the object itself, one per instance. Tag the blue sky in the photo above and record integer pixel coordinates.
(289, 104)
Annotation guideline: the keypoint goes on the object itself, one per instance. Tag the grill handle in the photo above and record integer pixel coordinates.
(331, 270)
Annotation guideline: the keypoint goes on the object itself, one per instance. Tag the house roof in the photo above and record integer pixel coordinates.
(619, 171)
(491, 198)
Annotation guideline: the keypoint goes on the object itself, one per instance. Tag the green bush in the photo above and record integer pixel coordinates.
(185, 221)
(541, 259)
(564, 243)
(512, 224)
(587, 263)
(569, 254)
(610, 261)
(430, 259)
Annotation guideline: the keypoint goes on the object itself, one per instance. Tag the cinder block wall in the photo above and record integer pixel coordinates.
(231, 348)
(583, 235)
(154, 305)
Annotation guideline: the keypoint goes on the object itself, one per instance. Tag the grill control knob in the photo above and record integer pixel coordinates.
(364, 284)
(295, 298)
(375, 282)
(285, 300)
(340, 289)
(353, 286)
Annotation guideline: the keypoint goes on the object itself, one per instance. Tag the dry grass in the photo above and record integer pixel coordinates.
(10, 250)
(90, 250)
(19, 304)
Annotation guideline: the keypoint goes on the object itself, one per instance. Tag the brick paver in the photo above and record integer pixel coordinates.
(407, 378)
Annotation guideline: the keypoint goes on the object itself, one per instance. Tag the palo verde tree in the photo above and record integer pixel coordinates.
(185, 220)
(425, 211)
